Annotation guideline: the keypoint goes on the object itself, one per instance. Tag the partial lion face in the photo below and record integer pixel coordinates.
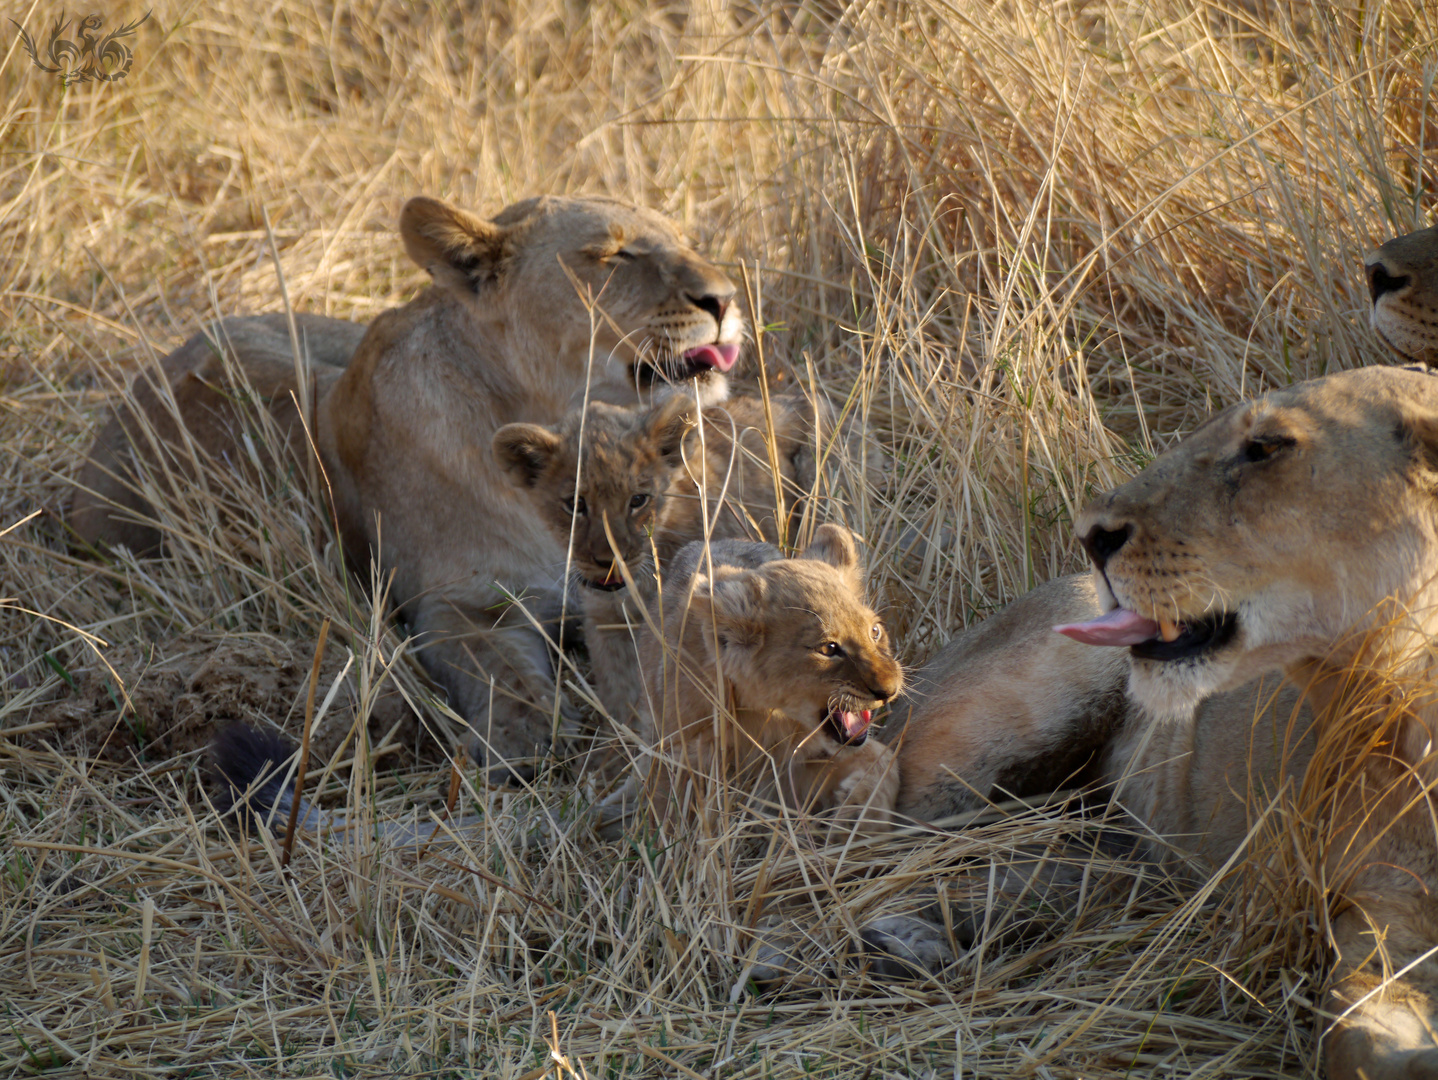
(797, 636)
(1269, 535)
(626, 471)
(1403, 282)
(602, 272)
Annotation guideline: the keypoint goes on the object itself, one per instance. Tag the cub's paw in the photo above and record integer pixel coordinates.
(906, 947)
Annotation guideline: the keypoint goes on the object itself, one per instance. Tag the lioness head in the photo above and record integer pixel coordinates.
(1270, 535)
(625, 472)
(600, 271)
(1403, 282)
(797, 636)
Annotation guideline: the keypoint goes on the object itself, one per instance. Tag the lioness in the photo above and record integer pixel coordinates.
(766, 676)
(643, 484)
(1403, 283)
(1299, 533)
(527, 309)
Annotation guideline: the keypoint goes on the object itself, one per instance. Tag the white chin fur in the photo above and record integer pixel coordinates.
(1173, 690)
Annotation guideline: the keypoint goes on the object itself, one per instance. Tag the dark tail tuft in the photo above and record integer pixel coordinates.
(247, 767)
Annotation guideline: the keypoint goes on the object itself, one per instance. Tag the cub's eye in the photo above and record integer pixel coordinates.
(574, 507)
(877, 632)
(1265, 447)
(624, 255)
(638, 502)
(831, 648)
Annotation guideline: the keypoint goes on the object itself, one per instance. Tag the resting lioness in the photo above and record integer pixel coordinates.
(1403, 284)
(1299, 533)
(643, 484)
(525, 310)
(763, 678)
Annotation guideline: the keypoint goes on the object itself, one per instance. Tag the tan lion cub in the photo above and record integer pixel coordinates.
(764, 678)
(647, 483)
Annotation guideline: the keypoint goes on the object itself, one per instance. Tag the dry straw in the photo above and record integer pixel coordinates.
(1023, 244)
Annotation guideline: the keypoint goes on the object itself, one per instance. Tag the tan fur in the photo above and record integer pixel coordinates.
(1309, 518)
(689, 482)
(525, 310)
(1403, 285)
(1011, 709)
(739, 687)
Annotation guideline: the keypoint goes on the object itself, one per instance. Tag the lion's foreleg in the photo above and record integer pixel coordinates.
(1384, 990)
(499, 676)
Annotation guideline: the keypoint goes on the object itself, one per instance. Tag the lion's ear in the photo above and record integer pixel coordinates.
(1419, 428)
(524, 452)
(669, 426)
(458, 250)
(834, 545)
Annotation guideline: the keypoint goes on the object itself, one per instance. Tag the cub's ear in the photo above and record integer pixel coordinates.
(834, 545)
(459, 250)
(524, 452)
(736, 601)
(670, 424)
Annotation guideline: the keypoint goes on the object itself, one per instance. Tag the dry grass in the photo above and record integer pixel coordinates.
(1027, 243)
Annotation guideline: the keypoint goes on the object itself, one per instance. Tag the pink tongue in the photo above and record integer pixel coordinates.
(721, 357)
(855, 724)
(1119, 627)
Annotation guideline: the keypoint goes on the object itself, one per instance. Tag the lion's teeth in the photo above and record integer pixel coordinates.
(1167, 630)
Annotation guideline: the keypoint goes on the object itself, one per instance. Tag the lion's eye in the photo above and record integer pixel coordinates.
(625, 255)
(831, 648)
(638, 502)
(1265, 447)
(877, 632)
(575, 507)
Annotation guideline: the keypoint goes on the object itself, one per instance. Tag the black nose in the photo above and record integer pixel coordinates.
(1380, 281)
(1100, 543)
(714, 304)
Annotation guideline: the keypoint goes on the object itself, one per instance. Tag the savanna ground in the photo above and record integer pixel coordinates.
(1028, 244)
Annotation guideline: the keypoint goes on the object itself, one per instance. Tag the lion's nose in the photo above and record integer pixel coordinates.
(1102, 543)
(1380, 281)
(716, 304)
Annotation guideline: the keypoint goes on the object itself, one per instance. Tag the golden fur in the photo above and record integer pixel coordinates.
(646, 483)
(1403, 284)
(760, 676)
(1299, 532)
(1010, 709)
(526, 310)
(1296, 534)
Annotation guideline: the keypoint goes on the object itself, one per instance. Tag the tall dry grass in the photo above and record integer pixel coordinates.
(1026, 244)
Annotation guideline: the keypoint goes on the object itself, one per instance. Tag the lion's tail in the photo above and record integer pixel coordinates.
(254, 774)
(255, 781)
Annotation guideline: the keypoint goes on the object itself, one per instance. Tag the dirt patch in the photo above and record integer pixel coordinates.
(155, 708)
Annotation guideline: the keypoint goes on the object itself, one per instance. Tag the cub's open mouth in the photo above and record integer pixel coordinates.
(1150, 640)
(690, 364)
(849, 728)
(611, 582)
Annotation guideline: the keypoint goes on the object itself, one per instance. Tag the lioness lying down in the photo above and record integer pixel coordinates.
(526, 309)
(762, 678)
(643, 484)
(1297, 533)
(1403, 285)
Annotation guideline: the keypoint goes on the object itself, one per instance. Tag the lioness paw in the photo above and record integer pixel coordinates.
(906, 947)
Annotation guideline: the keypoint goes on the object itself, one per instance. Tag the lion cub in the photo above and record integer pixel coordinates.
(765, 677)
(648, 482)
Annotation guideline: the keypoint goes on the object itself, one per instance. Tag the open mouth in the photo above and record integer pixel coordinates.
(693, 363)
(848, 728)
(612, 581)
(1150, 640)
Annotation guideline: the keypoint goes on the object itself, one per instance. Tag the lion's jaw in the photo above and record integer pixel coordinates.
(1232, 555)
